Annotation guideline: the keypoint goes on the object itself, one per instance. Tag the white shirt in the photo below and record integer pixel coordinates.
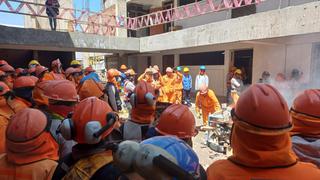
(201, 79)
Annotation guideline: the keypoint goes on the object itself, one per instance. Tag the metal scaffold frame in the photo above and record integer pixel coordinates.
(99, 23)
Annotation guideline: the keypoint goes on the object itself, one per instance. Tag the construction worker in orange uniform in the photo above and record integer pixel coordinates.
(169, 86)
(22, 88)
(157, 83)
(261, 141)
(178, 85)
(21, 72)
(9, 71)
(31, 149)
(112, 90)
(147, 76)
(93, 121)
(143, 102)
(56, 70)
(74, 75)
(43, 75)
(305, 114)
(207, 101)
(9, 105)
(62, 95)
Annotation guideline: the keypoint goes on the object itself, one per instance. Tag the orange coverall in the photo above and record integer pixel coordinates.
(169, 88)
(208, 103)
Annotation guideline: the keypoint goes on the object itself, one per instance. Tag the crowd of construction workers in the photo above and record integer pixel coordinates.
(66, 124)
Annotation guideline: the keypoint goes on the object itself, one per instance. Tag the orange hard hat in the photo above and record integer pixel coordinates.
(261, 106)
(19, 71)
(130, 72)
(40, 70)
(203, 89)
(141, 90)
(123, 67)
(2, 73)
(113, 73)
(90, 88)
(4, 88)
(3, 62)
(24, 81)
(61, 90)
(28, 138)
(308, 103)
(69, 71)
(177, 120)
(90, 109)
(7, 68)
(89, 69)
(56, 63)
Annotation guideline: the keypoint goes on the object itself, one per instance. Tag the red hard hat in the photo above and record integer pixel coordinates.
(7, 68)
(4, 88)
(28, 138)
(90, 109)
(177, 120)
(308, 102)
(262, 106)
(89, 69)
(61, 90)
(24, 81)
(69, 71)
(3, 62)
(19, 71)
(40, 69)
(2, 73)
(112, 73)
(56, 63)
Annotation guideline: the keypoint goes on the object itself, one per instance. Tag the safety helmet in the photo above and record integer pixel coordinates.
(179, 68)
(186, 69)
(238, 71)
(177, 120)
(34, 62)
(130, 72)
(24, 81)
(308, 103)
(56, 63)
(123, 67)
(261, 108)
(61, 90)
(69, 71)
(148, 71)
(2, 73)
(169, 70)
(90, 88)
(156, 67)
(89, 69)
(7, 68)
(172, 149)
(113, 73)
(4, 88)
(202, 67)
(143, 102)
(40, 70)
(75, 62)
(28, 138)
(90, 116)
(203, 89)
(3, 62)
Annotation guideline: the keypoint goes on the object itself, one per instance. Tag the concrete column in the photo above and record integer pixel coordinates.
(176, 60)
(35, 55)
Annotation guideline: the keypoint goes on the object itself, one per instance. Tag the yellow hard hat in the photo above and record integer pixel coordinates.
(34, 62)
(186, 69)
(238, 71)
(75, 62)
(123, 67)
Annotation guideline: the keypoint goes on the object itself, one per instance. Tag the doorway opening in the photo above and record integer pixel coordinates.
(243, 59)
(167, 61)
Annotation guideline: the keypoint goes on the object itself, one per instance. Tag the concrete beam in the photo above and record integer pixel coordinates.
(33, 39)
(290, 21)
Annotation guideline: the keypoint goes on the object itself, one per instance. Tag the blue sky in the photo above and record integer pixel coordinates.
(17, 20)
